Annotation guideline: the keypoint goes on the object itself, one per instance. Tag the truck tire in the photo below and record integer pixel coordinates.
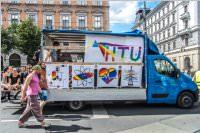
(75, 105)
(185, 100)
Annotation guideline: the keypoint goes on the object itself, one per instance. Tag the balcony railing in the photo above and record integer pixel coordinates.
(49, 27)
(185, 15)
(82, 28)
(65, 27)
(185, 31)
(97, 28)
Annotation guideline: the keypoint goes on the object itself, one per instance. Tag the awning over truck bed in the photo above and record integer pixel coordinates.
(60, 34)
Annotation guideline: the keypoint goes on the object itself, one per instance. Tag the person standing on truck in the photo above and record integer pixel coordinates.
(36, 56)
(52, 54)
(196, 78)
(32, 88)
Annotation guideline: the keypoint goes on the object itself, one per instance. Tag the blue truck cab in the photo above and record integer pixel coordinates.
(167, 84)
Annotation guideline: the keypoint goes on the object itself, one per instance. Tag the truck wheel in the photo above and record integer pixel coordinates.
(75, 105)
(185, 100)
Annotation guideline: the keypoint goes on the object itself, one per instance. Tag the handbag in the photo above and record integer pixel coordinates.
(44, 95)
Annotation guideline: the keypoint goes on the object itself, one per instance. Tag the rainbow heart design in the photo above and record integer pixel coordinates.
(107, 75)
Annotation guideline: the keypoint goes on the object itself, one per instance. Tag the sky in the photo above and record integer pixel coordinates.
(122, 13)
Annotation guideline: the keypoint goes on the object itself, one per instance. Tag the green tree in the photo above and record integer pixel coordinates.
(29, 37)
(9, 38)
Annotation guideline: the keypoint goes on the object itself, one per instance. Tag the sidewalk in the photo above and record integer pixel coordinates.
(178, 124)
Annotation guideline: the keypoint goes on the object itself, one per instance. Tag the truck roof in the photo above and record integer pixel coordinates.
(131, 33)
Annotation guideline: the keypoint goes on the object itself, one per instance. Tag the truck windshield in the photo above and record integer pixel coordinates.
(164, 67)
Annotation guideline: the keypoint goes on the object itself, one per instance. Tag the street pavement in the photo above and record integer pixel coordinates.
(106, 118)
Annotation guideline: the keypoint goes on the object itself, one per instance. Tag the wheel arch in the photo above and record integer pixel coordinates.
(187, 90)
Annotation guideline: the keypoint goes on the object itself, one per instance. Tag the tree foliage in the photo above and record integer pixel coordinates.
(9, 39)
(29, 37)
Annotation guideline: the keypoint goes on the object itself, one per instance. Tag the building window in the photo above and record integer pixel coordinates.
(31, 1)
(159, 14)
(65, 22)
(174, 44)
(65, 2)
(163, 10)
(164, 49)
(167, 8)
(174, 30)
(15, 18)
(159, 26)
(97, 2)
(159, 36)
(163, 23)
(49, 22)
(14, 1)
(156, 38)
(172, 4)
(32, 17)
(81, 2)
(186, 24)
(185, 8)
(81, 22)
(168, 32)
(186, 41)
(48, 1)
(163, 34)
(155, 27)
(168, 46)
(173, 17)
(97, 22)
(168, 20)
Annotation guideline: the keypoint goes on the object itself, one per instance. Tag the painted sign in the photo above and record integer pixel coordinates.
(107, 76)
(57, 76)
(131, 76)
(83, 76)
(101, 48)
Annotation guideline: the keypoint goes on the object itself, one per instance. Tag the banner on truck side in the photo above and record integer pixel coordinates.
(131, 76)
(107, 76)
(57, 75)
(104, 48)
(83, 76)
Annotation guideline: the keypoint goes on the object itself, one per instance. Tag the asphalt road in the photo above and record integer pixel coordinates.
(106, 118)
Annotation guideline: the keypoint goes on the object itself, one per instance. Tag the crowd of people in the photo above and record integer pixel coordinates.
(12, 80)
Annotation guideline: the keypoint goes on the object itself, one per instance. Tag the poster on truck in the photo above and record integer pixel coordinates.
(83, 76)
(107, 76)
(57, 76)
(131, 76)
(109, 49)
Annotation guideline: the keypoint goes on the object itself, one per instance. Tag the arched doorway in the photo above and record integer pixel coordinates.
(187, 65)
(15, 60)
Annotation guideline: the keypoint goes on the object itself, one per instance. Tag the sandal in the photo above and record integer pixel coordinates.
(45, 125)
(21, 125)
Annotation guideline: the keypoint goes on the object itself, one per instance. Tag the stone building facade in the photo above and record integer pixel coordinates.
(175, 27)
(90, 15)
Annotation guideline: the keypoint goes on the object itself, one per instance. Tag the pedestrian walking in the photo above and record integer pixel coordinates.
(31, 88)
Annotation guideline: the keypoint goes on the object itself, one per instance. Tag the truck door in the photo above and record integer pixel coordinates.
(163, 81)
